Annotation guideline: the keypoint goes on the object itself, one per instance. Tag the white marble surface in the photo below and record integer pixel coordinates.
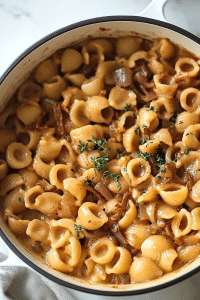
(23, 22)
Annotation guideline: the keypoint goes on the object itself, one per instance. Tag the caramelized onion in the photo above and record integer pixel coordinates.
(47, 187)
(59, 119)
(103, 190)
(95, 192)
(121, 239)
(141, 79)
(123, 77)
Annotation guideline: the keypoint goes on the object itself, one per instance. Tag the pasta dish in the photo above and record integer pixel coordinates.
(100, 160)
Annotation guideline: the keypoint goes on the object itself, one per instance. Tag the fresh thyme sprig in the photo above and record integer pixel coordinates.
(79, 228)
(136, 129)
(99, 143)
(84, 147)
(100, 162)
(113, 176)
(127, 107)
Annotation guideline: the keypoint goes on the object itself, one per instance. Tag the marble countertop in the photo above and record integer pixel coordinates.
(23, 22)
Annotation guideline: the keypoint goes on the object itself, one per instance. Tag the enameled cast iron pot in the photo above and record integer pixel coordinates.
(19, 71)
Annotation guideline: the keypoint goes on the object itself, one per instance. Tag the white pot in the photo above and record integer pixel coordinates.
(20, 70)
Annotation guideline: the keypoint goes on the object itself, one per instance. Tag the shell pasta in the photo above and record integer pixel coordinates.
(100, 160)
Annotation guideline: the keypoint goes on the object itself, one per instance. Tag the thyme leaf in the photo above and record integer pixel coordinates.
(127, 107)
(79, 228)
(144, 155)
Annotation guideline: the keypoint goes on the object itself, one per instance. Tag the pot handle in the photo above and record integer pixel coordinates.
(12, 258)
(154, 10)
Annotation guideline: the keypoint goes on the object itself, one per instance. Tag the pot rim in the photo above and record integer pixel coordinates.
(4, 76)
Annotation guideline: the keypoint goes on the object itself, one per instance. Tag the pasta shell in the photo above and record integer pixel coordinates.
(92, 86)
(166, 49)
(102, 251)
(164, 85)
(54, 87)
(137, 56)
(181, 223)
(38, 230)
(147, 119)
(56, 259)
(3, 168)
(120, 263)
(18, 226)
(97, 109)
(46, 70)
(29, 113)
(71, 60)
(167, 258)
(127, 45)
(173, 194)
(163, 135)
(187, 253)
(6, 137)
(76, 79)
(10, 182)
(136, 234)
(186, 119)
(144, 269)
(187, 65)
(78, 113)
(154, 245)
(196, 218)
(29, 91)
(165, 211)
(120, 97)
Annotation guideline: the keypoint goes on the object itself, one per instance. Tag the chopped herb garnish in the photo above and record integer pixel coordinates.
(159, 158)
(144, 192)
(153, 109)
(185, 172)
(79, 228)
(127, 107)
(136, 129)
(119, 153)
(174, 117)
(125, 169)
(144, 126)
(177, 158)
(134, 115)
(180, 122)
(143, 141)
(148, 144)
(145, 105)
(112, 176)
(191, 134)
(20, 199)
(144, 155)
(161, 170)
(84, 147)
(100, 162)
(158, 177)
(99, 143)
(141, 166)
(89, 182)
(187, 151)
